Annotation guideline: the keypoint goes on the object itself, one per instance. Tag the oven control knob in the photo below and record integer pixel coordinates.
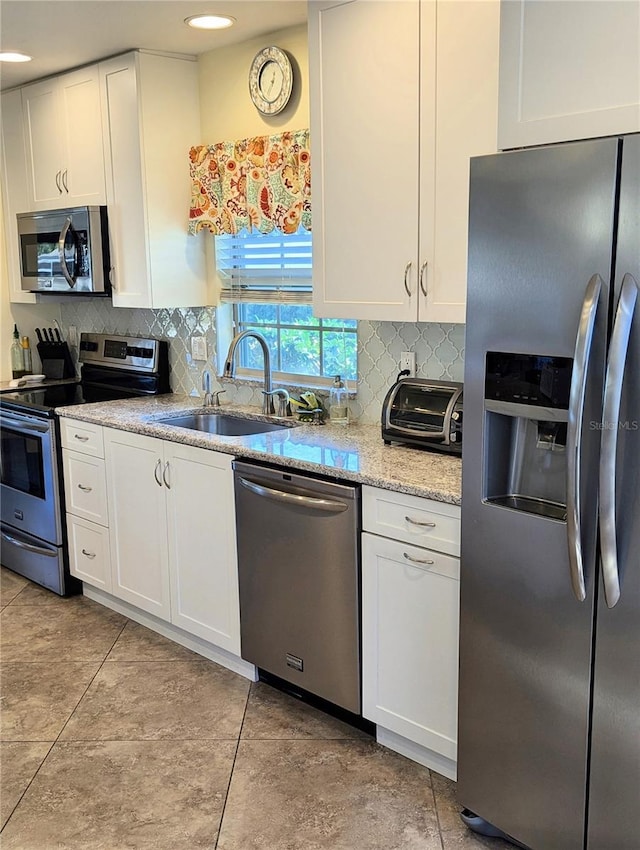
(455, 415)
(454, 437)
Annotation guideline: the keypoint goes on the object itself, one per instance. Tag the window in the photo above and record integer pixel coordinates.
(266, 282)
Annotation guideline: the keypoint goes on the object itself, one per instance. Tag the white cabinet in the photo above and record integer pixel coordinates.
(86, 503)
(410, 619)
(391, 151)
(202, 544)
(15, 197)
(569, 69)
(172, 529)
(138, 517)
(151, 118)
(63, 137)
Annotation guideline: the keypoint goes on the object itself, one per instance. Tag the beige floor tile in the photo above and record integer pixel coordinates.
(18, 764)
(327, 795)
(137, 643)
(455, 835)
(33, 594)
(117, 795)
(178, 700)
(274, 715)
(38, 699)
(76, 629)
(10, 585)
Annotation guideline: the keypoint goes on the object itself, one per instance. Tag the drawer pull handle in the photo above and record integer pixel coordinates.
(426, 561)
(418, 522)
(88, 554)
(81, 438)
(84, 489)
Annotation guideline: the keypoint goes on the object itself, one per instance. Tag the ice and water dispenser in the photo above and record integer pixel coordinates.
(526, 412)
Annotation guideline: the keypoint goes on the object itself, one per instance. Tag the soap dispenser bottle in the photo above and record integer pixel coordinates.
(17, 357)
(338, 402)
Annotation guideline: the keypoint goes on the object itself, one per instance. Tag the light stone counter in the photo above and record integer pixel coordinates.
(354, 453)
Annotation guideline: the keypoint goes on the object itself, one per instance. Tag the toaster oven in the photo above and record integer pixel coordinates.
(424, 413)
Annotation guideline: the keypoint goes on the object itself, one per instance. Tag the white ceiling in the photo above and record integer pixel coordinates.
(62, 34)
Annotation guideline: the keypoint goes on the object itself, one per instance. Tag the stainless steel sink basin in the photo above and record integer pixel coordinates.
(223, 424)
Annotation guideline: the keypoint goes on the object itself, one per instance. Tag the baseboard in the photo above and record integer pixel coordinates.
(196, 644)
(424, 756)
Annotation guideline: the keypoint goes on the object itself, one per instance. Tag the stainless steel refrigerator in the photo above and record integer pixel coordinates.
(549, 703)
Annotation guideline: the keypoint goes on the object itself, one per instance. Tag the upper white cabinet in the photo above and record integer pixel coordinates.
(394, 123)
(150, 120)
(569, 69)
(63, 137)
(15, 196)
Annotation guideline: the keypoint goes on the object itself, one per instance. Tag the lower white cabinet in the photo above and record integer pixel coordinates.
(172, 533)
(410, 619)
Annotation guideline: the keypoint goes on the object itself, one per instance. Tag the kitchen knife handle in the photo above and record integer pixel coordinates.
(609, 440)
(38, 334)
(581, 358)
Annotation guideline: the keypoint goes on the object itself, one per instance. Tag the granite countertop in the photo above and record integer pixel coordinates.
(354, 452)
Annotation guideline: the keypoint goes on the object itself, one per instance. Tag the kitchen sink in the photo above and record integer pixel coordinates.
(223, 424)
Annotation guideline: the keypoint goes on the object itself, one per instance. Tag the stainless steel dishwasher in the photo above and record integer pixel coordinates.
(298, 563)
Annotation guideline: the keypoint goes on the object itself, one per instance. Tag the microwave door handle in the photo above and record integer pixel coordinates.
(71, 280)
(609, 440)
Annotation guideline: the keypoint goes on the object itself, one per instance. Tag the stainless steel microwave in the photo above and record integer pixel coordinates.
(424, 413)
(65, 251)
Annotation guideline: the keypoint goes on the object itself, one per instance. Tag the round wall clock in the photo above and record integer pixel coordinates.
(270, 80)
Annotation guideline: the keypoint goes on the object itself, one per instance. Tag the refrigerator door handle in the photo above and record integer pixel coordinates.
(609, 439)
(581, 358)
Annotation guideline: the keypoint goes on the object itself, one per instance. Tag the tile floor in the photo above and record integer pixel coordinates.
(114, 738)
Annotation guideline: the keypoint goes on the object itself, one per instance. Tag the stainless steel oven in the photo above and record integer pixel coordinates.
(31, 528)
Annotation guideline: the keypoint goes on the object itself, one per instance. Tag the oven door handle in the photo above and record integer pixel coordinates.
(39, 550)
(71, 279)
(19, 423)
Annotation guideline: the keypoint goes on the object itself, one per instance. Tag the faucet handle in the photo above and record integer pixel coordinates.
(284, 407)
(216, 397)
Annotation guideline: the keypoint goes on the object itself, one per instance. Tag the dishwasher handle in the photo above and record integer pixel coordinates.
(327, 505)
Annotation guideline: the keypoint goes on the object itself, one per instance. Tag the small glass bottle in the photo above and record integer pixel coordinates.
(26, 356)
(17, 357)
(338, 402)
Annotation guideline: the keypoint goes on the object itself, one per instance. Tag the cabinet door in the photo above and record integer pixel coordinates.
(15, 197)
(83, 166)
(466, 95)
(136, 498)
(410, 642)
(44, 138)
(568, 70)
(365, 107)
(202, 544)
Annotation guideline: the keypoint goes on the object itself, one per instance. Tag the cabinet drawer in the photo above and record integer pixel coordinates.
(85, 487)
(82, 437)
(421, 522)
(89, 552)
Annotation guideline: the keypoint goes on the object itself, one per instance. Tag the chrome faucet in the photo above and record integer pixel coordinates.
(211, 399)
(229, 366)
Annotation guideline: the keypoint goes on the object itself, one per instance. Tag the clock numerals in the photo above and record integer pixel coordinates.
(270, 80)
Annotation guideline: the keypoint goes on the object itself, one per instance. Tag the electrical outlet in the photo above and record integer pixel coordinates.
(408, 361)
(199, 347)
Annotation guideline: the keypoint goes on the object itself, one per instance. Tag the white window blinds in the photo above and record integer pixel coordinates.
(265, 267)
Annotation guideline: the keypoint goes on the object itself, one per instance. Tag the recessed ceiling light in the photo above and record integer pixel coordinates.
(12, 56)
(210, 22)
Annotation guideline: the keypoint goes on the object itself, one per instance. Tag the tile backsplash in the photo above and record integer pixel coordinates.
(439, 349)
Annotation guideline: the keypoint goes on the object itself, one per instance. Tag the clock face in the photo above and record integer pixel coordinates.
(270, 80)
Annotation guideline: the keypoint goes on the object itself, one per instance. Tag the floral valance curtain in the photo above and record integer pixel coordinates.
(260, 183)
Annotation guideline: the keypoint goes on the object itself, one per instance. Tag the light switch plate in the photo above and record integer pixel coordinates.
(199, 347)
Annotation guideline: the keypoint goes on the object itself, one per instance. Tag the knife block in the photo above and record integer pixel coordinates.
(56, 360)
